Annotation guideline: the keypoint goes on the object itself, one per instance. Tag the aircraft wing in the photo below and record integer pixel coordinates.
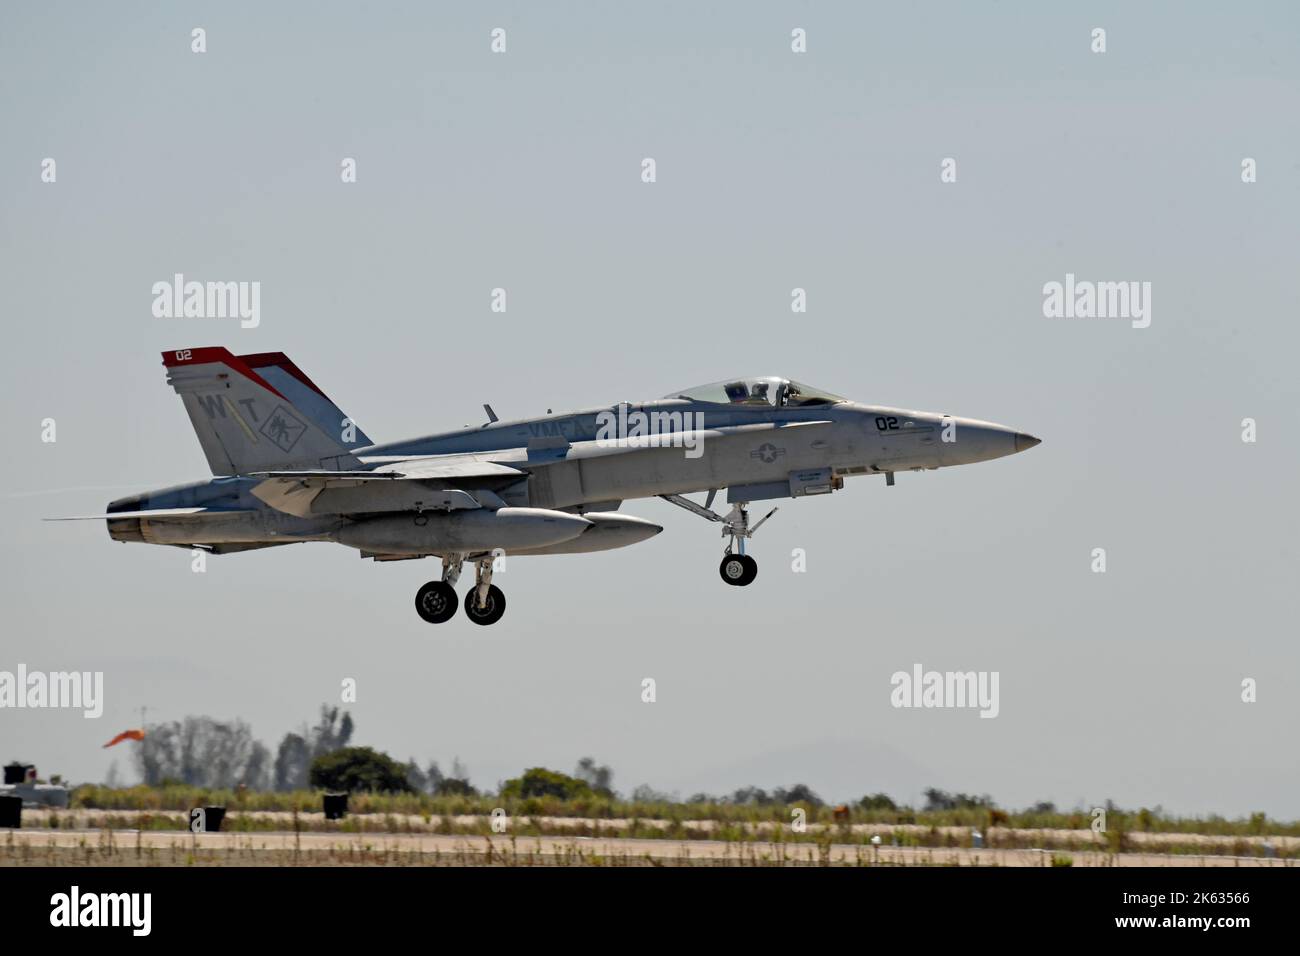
(457, 467)
(406, 485)
(423, 469)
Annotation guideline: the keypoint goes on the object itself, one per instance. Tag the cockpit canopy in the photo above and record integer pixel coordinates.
(768, 391)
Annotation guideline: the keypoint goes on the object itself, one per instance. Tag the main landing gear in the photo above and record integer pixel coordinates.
(436, 601)
(737, 569)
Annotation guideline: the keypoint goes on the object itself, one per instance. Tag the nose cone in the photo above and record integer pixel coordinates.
(1024, 442)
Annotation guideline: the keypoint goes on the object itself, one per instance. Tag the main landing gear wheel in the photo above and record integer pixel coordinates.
(738, 569)
(436, 602)
(492, 609)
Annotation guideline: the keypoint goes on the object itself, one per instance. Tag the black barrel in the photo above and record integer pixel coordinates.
(11, 811)
(212, 817)
(336, 806)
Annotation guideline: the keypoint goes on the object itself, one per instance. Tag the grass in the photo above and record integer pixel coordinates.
(743, 836)
(103, 850)
(180, 798)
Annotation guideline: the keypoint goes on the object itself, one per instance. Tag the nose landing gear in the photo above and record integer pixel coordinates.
(737, 568)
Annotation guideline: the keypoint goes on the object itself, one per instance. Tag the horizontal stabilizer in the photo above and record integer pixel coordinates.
(326, 477)
(156, 513)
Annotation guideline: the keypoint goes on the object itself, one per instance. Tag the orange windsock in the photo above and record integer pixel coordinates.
(126, 735)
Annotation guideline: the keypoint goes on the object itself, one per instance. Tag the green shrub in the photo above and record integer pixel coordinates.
(359, 769)
(540, 782)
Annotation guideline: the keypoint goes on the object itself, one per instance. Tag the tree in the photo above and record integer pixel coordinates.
(644, 793)
(600, 779)
(877, 801)
(330, 733)
(257, 772)
(416, 777)
(757, 796)
(297, 750)
(215, 754)
(359, 769)
(799, 793)
(455, 787)
(936, 799)
(540, 782)
(457, 783)
(199, 751)
(292, 763)
(442, 785)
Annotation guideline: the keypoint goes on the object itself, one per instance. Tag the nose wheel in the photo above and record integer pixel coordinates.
(738, 569)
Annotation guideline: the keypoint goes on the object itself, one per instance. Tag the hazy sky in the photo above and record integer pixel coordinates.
(775, 170)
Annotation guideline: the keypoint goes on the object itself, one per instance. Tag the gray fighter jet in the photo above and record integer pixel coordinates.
(292, 467)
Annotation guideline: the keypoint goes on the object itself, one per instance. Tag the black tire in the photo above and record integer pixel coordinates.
(491, 612)
(738, 570)
(436, 602)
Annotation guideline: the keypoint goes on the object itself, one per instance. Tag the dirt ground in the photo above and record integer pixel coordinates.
(46, 847)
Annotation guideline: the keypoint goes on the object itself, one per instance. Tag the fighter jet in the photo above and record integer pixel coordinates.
(289, 466)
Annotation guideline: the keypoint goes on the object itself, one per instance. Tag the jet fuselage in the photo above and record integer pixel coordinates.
(751, 450)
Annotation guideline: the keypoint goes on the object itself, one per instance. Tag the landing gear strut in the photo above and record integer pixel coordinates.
(737, 568)
(436, 602)
(484, 602)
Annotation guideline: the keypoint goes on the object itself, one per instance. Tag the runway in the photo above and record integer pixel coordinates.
(44, 847)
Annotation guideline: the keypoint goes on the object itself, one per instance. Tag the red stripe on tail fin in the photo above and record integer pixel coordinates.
(216, 353)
